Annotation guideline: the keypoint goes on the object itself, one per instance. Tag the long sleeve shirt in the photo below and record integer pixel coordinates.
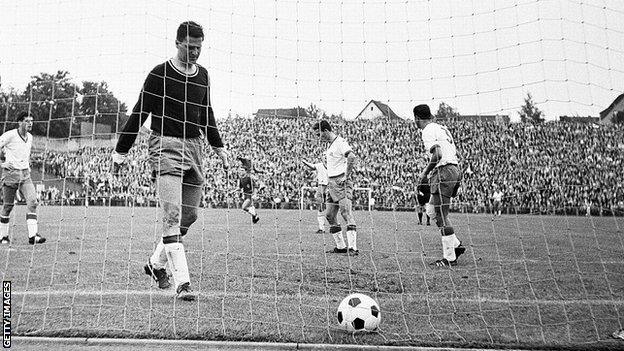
(179, 104)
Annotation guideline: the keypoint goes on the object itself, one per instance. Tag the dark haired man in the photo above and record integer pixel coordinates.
(17, 144)
(444, 176)
(177, 95)
(340, 166)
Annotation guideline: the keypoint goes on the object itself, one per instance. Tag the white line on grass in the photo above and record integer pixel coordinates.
(157, 344)
(218, 294)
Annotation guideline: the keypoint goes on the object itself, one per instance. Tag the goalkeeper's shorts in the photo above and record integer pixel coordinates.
(178, 157)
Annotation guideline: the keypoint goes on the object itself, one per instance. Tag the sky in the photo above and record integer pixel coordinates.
(478, 56)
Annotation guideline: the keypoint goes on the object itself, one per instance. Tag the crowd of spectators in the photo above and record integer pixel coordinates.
(554, 167)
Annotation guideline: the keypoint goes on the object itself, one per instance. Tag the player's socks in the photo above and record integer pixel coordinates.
(352, 237)
(456, 241)
(320, 217)
(31, 222)
(420, 218)
(336, 232)
(159, 258)
(177, 260)
(4, 226)
(448, 247)
(251, 210)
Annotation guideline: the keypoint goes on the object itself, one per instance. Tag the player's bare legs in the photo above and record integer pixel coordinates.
(250, 208)
(28, 191)
(191, 198)
(8, 200)
(319, 199)
(334, 227)
(173, 195)
(30, 195)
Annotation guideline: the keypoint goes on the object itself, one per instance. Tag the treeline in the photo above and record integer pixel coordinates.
(59, 106)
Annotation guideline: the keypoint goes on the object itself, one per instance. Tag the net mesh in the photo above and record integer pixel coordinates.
(547, 272)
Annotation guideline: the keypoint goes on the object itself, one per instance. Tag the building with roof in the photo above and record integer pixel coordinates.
(376, 109)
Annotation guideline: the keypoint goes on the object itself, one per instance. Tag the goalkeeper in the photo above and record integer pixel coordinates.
(177, 95)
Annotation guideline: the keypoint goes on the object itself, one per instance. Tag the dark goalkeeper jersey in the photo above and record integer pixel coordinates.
(179, 104)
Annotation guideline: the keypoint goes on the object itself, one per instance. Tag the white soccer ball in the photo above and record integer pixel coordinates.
(358, 312)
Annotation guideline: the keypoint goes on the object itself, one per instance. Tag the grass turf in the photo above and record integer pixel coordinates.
(525, 281)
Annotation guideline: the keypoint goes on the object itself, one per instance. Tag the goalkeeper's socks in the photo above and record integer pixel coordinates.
(456, 241)
(159, 258)
(31, 222)
(448, 247)
(177, 262)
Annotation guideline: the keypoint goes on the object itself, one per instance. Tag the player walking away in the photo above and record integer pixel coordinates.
(177, 95)
(340, 164)
(497, 200)
(248, 187)
(321, 187)
(423, 194)
(444, 176)
(17, 144)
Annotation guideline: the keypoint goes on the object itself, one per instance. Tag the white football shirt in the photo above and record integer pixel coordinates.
(16, 149)
(337, 157)
(321, 174)
(436, 134)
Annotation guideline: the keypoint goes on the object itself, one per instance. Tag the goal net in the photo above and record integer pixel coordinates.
(530, 91)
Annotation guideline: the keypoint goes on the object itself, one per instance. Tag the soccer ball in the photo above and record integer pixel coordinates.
(358, 312)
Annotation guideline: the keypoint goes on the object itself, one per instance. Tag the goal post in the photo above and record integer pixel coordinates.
(370, 202)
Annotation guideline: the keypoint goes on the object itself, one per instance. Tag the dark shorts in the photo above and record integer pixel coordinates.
(337, 192)
(445, 180)
(177, 157)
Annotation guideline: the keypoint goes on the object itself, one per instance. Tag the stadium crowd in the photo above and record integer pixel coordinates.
(554, 167)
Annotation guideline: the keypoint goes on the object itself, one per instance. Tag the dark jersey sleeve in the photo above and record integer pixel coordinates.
(208, 120)
(140, 112)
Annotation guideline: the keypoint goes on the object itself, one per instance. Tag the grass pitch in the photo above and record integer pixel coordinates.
(525, 281)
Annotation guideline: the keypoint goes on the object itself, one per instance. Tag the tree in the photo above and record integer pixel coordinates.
(315, 112)
(10, 101)
(529, 112)
(446, 112)
(51, 100)
(100, 105)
